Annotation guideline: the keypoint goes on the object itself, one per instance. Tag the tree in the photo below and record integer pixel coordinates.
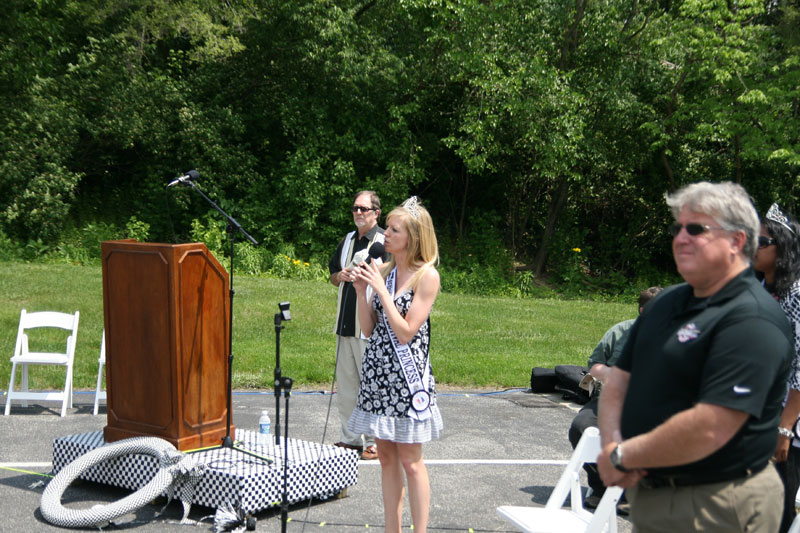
(721, 109)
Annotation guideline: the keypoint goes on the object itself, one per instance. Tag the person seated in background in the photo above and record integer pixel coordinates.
(604, 355)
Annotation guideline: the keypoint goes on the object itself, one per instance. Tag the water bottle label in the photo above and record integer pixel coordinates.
(263, 428)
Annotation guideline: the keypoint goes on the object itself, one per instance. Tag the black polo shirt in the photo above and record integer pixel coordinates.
(732, 349)
(347, 317)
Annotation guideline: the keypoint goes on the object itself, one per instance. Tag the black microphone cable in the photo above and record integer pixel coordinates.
(330, 403)
(169, 216)
(380, 250)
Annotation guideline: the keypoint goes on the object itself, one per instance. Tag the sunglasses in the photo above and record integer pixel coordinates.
(362, 209)
(692, 229)
(763, 242)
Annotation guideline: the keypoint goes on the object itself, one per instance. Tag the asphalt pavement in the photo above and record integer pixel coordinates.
(498, 448)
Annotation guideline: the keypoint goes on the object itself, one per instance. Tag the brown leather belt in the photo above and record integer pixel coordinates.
(659, 482)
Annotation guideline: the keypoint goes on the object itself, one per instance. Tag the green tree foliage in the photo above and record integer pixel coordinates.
(531, 129)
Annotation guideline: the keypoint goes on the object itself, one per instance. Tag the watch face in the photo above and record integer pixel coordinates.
(616, 459)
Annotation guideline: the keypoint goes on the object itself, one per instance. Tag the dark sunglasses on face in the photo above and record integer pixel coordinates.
(692, 229)
(763, 242)
(362, 209)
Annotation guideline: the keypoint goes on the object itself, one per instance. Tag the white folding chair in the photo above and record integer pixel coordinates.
(100, 393)
(23, 357)
(552, 518)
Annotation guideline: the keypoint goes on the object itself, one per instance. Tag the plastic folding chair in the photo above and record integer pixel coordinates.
(552, 518)
(23, 357)
(100, 393)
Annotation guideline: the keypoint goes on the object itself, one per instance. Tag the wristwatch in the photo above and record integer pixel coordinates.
(785, 432)
(616, 459)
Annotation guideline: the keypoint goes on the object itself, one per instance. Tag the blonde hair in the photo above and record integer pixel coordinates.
(423, 248)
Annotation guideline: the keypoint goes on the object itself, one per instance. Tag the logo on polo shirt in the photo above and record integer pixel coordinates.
(687, 333)
(741, 391)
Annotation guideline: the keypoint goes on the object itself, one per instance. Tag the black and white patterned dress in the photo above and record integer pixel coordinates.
(383, 397)
(790, 303)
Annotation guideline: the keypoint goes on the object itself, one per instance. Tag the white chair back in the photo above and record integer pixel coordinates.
(552, 518)
(99, 393)
(23, 357)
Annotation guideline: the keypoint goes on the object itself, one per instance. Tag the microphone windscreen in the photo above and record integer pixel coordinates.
(359, 257)
(377, 250)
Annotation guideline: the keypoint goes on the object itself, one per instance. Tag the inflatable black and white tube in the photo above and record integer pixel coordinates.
(174, 468)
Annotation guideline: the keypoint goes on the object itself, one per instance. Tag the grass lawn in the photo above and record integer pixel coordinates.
(475, 341)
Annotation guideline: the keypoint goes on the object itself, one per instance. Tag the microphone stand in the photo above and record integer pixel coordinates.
(279, 318)
(231, 228)
(285, 384)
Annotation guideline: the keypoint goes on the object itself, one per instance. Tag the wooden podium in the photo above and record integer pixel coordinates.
(166, 310)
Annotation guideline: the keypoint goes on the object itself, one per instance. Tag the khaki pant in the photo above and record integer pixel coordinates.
(348, 380)
(752, 504)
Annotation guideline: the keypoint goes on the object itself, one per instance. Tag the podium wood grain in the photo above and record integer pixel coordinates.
(166, 311)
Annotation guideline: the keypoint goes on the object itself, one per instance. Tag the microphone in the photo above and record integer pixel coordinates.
(189, 176)
(359, 257)
(376, 251)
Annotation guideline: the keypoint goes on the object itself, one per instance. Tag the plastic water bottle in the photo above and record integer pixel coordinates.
(263, 428)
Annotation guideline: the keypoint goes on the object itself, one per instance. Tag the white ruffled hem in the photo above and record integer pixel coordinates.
(404, 430)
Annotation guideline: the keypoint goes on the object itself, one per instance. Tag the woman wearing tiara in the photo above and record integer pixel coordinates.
(778, 259)
(396, 399)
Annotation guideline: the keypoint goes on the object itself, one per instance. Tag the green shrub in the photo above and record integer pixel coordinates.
(136, 229)
(10, 250)
(259, 261)
(67, 252)
(479, 280)
(479, 265)
(528, 287)
(36, 249)
(81, 246)
(211, 232)
(249, 259)
(286, 267)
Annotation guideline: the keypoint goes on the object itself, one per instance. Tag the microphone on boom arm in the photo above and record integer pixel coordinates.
(183, 180)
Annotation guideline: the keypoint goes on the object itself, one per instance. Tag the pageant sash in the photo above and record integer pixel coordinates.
(420, 397)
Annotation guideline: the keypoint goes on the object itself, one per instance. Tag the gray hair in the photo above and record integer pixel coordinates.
(727, 203)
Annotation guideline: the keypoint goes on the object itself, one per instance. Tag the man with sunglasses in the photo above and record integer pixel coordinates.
(350, 343)
(689, 414)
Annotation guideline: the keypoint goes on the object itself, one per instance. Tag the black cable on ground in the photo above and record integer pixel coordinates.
(324, 433)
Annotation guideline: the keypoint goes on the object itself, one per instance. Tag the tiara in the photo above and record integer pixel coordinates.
(776, 215)
(412, 205)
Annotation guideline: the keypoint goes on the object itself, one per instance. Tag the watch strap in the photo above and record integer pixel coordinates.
(616, 459)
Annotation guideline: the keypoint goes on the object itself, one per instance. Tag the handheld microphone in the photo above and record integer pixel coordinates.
(359, 257)
(189, 176)
(365, 256)
(376, 251)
